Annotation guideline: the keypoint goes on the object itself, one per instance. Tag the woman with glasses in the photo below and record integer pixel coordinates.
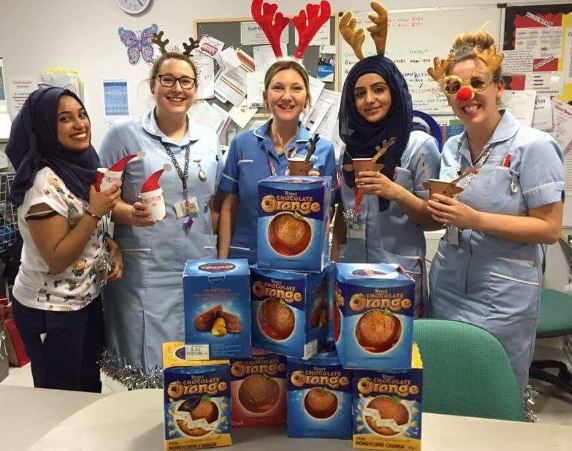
(487, 270)
(146, 308)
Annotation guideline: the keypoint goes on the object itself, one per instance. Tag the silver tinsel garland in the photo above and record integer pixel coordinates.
(351, 217)
(131, 376)
(529, 400)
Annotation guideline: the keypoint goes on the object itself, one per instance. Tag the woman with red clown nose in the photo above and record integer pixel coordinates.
(487, 270)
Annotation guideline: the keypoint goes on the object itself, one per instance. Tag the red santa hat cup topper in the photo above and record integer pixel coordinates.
(152, 195)
(272, 22)
(106, 178)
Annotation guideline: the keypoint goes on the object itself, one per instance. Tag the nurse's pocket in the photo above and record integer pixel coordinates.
(209, 242)
(135, 262)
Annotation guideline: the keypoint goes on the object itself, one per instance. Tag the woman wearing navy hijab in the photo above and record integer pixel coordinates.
(64, 262)
(383, 212)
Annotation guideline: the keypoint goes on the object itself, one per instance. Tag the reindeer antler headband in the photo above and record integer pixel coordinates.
(307, 23)
(355, 36)
(489, 56)
(158, 39)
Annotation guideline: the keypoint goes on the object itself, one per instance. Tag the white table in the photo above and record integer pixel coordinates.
(134, 421)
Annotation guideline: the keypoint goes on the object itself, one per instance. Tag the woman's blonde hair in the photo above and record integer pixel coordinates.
(465, 44)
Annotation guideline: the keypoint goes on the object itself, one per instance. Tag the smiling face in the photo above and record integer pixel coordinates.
(482, 109)
(173, 100)
(286, 95)
(74, 127)
(372, 96)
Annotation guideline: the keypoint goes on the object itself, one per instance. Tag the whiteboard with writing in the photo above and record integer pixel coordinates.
(415, 37)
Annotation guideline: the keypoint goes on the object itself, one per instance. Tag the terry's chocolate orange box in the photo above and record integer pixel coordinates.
(258, 388)
(289, 310)
(387, 407)
(373, 316)
(217, 308)
(293, 222)
(196, 400)
(319, 398)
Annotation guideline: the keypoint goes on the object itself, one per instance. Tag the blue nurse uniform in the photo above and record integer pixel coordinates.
(486, 280)
(251, 158)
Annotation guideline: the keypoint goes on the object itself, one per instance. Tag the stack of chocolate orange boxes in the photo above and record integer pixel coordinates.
(332, 353)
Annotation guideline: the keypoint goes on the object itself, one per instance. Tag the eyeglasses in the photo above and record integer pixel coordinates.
(168, 81)
(478, 82)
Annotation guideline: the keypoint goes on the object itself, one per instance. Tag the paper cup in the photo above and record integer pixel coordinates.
(365, 164)
(105, 179)
(442, 187)
(155, 204)
(299, 166)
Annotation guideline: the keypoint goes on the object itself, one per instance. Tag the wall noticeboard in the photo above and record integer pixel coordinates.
(414, 38)
(228, 31)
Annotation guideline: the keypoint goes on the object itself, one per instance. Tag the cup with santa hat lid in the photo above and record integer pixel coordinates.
(106, 178)
(152, 195)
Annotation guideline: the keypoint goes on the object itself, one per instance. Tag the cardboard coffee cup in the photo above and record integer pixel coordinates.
(365, 164)
(299, 166)
(443, 187)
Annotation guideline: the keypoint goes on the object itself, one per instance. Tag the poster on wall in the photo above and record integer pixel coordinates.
(115, 98)
(20, 89)
(534, 34)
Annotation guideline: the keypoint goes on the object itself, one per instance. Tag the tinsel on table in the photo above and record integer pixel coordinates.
(529, 401)
(131, 376)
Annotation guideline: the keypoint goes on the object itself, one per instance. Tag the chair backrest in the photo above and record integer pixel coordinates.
(466, 371)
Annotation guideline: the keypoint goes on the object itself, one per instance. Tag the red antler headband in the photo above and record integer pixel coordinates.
(273, 22)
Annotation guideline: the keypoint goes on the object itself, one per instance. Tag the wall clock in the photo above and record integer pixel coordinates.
(134, 6)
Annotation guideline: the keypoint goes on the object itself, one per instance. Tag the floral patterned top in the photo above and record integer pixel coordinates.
(79, 283)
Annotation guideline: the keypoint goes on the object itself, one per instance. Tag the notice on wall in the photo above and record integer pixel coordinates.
(115, 98)
(20, 89)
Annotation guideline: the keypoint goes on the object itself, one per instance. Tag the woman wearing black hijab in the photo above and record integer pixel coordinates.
(384, 212)
(65, 255)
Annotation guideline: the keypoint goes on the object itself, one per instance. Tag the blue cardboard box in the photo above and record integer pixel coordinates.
(319, 398)
(196, 400)
(293, 223)
(373, 316)
(289, 310)
(217, 308)
(387, 407)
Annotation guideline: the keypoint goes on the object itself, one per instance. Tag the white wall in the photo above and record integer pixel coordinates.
(82, 34)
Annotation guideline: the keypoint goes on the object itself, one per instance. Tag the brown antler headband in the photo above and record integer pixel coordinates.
(355, 36)
(490, 57)
(158, 39)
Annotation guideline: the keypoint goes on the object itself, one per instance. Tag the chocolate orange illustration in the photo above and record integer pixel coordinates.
(276, 319)
(389, 409)
(258, 393)
(320, 403)
(199, 408)
(289, 234)
(378, 331)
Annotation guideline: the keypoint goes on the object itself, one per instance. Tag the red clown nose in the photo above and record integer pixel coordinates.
(465, 93)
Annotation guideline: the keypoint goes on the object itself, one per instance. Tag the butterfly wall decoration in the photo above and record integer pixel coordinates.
(141, 47)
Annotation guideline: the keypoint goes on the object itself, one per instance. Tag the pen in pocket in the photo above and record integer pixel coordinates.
(506, 161)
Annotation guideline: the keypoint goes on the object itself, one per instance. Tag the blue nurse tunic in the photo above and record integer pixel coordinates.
(486, 280)
(145, 308)
(251, 158)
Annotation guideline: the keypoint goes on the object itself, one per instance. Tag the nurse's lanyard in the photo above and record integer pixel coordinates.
(452, 230)
(183, 174)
